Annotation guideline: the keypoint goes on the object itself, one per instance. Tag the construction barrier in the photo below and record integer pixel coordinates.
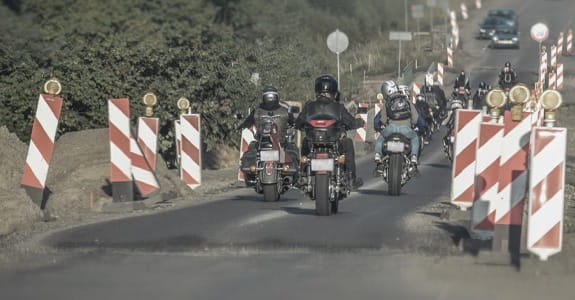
(543, 67)
(486, 179)
(560, 44)
(148, 129)
(449, 57)
(360, 133)
(559, 84)
(465, 146)
(191, 152)
(547, 188)
(41, 146)
(552, 79)
(464, 13)
(144, 177)
(478, 4)
(440, 74)
(553, 58)
(246, 138)
(569, 43)
(120, 154)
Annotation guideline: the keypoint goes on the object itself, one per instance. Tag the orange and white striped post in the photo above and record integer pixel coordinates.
(120, 154)
(464, 13)
(41, 146)
(478, 4)
(560, 44)
(440, 74)
(559, 76)
(547, 191)
(569, 43)
(486, 179)
(144, 177)
(543, 67)
(449, 57)
(465, 148)
(552, 79)
(246, 138)
(361, 133)
(553, 61)
(415, 90)
(191, 160)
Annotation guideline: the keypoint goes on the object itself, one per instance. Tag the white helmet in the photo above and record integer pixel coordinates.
(388, 88)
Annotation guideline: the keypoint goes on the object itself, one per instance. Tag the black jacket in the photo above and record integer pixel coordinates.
(283, 118)
(327, 106)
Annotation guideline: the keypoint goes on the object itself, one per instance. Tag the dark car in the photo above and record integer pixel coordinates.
(505, 37)
(490, 23)
(506, 13)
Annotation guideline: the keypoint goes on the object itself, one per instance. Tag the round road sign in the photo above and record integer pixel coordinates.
(337, 41)
(539, 32)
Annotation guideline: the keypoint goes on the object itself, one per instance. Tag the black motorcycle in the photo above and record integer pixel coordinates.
(395, 167)
(276, 169)
(324, 176)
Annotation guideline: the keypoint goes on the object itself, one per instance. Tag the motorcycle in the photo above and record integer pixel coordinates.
(323, 174)
(395, 167)
(449, 138)
(461, 93)
(275, 170)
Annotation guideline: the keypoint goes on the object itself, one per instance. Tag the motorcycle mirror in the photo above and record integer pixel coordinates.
(380, 96)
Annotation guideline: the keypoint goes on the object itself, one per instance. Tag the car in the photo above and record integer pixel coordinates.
(505, 37)
(506, 13)
(490, 23)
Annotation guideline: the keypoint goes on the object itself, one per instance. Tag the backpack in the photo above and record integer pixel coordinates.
(398, 108)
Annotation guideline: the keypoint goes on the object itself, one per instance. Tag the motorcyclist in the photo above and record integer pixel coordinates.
(398, 118)
(482, 90)
(327, 102)
(462, 81)
(270, 106)
(507, 76)
(425, 117)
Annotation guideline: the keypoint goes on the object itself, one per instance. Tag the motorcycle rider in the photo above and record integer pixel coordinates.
(425, 117)
(462, 81)
(507, 76)
(270, 106)
(482, 90)
(397, 115)
(327, 102)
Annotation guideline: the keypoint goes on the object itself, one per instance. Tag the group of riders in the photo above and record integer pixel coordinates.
(398, 114)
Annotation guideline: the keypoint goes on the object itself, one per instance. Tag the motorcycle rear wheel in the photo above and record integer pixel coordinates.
(322, 203)
(394, 175)
(271, 193)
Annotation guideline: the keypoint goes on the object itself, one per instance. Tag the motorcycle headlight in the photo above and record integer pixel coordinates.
(495, 39)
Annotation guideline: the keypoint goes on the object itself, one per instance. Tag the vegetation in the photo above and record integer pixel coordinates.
(206, 51)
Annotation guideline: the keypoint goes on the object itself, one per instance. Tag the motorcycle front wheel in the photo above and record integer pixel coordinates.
(271, 193)
(322, 203)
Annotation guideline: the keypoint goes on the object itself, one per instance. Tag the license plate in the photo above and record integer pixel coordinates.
(270, 155)
(395, 146)
(322, 164)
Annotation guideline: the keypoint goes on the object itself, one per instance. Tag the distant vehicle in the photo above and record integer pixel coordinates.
(506, 13)
(505, 37)
(490, 23)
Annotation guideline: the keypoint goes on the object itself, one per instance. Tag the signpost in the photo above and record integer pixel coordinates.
(337, 42)
(399, 36)
(539, 33)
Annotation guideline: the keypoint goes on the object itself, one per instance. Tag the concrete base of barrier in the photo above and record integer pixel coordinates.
(149, 203)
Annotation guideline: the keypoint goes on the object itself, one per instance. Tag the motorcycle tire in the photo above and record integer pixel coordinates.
(322, 203)
(271, 193)
(394, 175)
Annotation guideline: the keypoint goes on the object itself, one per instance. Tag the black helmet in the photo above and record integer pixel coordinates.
(482, 85)
(508, 64)
(270, 97)
(326, 83)
(462, 73)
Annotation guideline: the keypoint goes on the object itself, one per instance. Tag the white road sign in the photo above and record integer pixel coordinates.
(539, 32)
(400, 35)
(337, 41)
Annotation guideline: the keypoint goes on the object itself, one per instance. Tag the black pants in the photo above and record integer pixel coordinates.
(348, 150)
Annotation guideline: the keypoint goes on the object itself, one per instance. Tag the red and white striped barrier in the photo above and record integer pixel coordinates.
(465, 147)
(553, 56)
(144, 177)
(440, 74)
(478, 4)
(148, 129)
(415, 90)
(569, 43)
(560, 44)
(120, 157)
(543, 67)
(191, 160)
(41, 145)
(246, 138)
(552, 80)
(361, 133)
(464, 13)
(449, 57)
(486, 179)
(547, 189)
(513, 173)
(559, 76)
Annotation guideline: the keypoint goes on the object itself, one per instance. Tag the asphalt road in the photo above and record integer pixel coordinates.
(242, 248)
